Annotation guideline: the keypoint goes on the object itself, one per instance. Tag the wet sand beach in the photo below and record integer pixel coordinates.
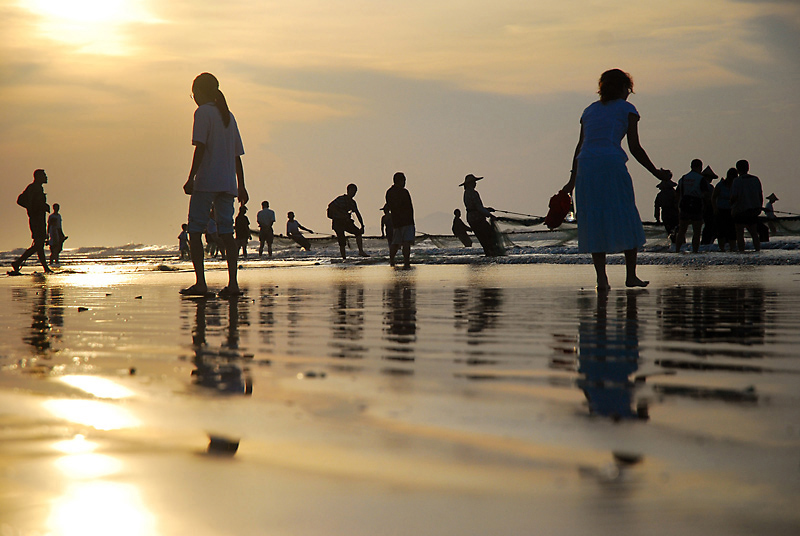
(446, 399)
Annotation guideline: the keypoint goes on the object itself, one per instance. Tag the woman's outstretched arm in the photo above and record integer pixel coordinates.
(638, 152)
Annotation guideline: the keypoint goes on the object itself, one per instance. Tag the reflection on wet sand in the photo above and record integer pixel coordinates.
(608, 356)
(713, 314)
(47, 317)
(400, 325)
(347, 322)
(701, 315)
(222, 370)
(477, 310)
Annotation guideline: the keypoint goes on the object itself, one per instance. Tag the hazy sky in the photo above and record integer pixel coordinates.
(328, 92)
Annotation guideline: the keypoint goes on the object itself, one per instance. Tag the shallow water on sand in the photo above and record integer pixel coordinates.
(439, 400)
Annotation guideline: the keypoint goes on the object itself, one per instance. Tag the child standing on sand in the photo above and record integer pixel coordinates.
(183, 242)
(215, 179)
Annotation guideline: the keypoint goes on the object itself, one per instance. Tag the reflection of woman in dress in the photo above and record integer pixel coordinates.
(608, 220)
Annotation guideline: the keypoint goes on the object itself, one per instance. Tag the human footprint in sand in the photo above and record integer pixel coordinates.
(215, 179)
(608, 220)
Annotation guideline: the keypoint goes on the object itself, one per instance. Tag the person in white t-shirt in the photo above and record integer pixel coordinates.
(293, 231)
(265, 219)
(215, 179)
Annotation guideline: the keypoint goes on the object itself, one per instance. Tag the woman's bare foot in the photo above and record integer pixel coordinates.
(636, 282)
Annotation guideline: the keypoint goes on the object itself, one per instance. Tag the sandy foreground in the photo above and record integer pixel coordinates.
(362, 400)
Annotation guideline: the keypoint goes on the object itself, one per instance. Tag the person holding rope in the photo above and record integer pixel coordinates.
(478, 217)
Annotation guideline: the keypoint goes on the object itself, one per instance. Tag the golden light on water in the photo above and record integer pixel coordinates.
(99, 508)
(97, 386)
(97, 414)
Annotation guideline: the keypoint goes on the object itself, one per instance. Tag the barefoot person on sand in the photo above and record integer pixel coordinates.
(215, 179)
(34, 201)
(608, 221)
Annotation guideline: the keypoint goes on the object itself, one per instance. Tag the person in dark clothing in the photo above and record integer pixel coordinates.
(709, 234)
(402, 210)
(339, 212)
(692, 189)
(721, 199)
(666, 207)
(34, 200)
(387, 229)
(460, 229)
(478, 217)
(242, 227)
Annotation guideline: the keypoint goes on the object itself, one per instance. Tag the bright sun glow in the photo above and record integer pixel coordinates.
(83, 10)
(91, 26)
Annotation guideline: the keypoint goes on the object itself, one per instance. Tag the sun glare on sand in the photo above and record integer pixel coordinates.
(93, 26)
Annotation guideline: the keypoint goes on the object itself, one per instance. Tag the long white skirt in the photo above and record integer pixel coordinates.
(608, 220)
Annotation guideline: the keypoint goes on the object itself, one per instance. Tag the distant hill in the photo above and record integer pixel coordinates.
(435, 223)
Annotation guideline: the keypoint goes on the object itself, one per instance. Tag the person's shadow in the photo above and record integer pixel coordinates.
(608, 357)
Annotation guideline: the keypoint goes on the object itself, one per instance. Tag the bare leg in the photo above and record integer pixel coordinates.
(680, 238)
(407, 255)
(260, 247)
(599, 260)
(697, 227)
(740, 236)
(753, 230)
(233, 261)
(631, 279)
(196, 252)
(360, 244)
(392, 252)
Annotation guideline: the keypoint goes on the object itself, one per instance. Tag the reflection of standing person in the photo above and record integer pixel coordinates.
(215, 179)
(721, 199)
(242, 228)
(402, 210)
(34, 201)
(460, 229)
(265, 219)
(608, 356)
(666, 207)
(746, 201)
(608, 221)
(55, 234)
(293, 231)
(692, 189)
(478, 217)
(339, 211)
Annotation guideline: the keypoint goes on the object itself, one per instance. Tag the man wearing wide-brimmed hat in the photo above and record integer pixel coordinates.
(769, 211)
(666, 207)
(478, 217)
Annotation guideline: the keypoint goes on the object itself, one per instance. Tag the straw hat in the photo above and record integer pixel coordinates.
(708, 172)
(668, 183)
(470, 179)
(772, 197)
